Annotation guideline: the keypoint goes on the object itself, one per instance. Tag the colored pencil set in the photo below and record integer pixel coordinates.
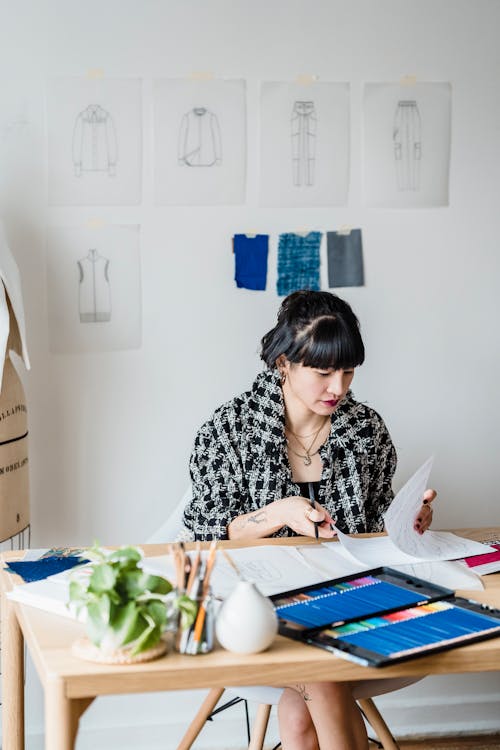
(382, 617)
(192, 574)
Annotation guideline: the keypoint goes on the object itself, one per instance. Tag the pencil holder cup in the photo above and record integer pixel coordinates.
(198, 637)
(246, 622)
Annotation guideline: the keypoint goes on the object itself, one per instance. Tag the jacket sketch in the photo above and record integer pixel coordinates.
(94, 142)
(94, 288)
(200, 143)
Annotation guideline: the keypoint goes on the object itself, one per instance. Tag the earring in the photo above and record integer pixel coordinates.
(283, 377)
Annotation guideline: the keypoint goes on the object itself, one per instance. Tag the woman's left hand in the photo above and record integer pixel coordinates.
(424, 516)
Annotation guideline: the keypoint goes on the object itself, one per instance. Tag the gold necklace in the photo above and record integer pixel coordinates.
(307, 457)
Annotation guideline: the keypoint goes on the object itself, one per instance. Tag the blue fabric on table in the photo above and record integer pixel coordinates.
(298, 262)
(250, 261)
(37, 570)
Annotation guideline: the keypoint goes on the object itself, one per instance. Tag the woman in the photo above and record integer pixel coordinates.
(299, 436)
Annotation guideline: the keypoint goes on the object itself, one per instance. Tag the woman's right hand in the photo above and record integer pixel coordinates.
(297, 513)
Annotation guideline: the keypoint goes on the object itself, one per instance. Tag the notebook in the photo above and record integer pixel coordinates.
(382, 617)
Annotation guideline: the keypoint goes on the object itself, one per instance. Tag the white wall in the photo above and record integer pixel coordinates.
(111, 433)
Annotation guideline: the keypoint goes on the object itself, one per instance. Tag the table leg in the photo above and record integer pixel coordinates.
(12, 678)
(62, 715)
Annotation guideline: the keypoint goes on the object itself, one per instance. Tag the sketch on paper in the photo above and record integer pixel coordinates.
(95, 147)
(94, 141)
(407, 144)
(303, 132)
(304, 144)
(94, 291)
(200, 142)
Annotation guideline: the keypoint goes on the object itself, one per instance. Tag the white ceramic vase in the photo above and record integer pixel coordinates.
(247, 622)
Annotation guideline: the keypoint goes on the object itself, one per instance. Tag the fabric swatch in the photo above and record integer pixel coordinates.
(298, 262)
(250, 261)
(37, 570)
(345, 259)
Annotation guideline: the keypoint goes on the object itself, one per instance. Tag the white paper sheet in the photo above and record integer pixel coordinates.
(94, 288)
(452, 575)
(432, 545)
(271, 568)
(51, 594)
(94, 129)
(304, 134)
(200, 141)
(407, 138)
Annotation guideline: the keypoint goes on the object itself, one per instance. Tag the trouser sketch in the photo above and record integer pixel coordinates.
(407, 145)
(303, 132)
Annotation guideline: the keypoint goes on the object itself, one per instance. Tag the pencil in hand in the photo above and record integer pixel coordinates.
(313, 507)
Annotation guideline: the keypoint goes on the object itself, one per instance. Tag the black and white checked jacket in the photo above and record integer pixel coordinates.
(239, 464)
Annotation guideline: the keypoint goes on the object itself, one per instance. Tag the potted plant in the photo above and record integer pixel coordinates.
(127, 610)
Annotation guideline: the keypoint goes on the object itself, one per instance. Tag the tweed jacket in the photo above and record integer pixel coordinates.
(240, 464)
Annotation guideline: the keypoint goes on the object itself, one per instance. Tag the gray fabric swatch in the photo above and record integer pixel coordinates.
(345, 259)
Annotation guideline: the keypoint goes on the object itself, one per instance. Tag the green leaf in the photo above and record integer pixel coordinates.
(127, 624)
(148, 639)
(158, 585)
(188, 609)
(77, 592)
(158, 613)
(96, 626)
(126, 555)
(102, 579)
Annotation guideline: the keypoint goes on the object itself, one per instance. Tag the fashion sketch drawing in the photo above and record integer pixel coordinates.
(407, 145)
(303, 133)
(95, 147)
(94, 301)
(200, 141)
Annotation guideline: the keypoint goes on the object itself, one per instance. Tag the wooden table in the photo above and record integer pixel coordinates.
(70, 685)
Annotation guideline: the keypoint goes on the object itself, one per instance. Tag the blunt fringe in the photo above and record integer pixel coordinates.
(316, 329)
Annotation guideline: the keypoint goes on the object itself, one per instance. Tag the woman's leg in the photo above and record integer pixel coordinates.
(321, 715)
(336, 716)
(296, 727)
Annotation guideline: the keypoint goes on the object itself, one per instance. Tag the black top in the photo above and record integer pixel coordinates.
(304, 489)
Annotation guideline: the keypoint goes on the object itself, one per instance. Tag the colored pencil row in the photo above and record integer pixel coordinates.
(413, 630)
(338, 603)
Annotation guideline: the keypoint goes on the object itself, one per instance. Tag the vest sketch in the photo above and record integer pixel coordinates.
(200, 142)
(94, 142)
(406, 136)
(303, 124)
(94, 288)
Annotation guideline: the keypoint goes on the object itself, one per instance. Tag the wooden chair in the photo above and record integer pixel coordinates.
(258, 733)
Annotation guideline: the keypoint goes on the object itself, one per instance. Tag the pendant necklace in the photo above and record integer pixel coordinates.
(307, 455)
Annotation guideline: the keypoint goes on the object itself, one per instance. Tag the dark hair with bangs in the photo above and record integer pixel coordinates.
(317, 329)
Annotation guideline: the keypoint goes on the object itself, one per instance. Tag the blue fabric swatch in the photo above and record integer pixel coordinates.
(250, 261)
(298, 262)
(37, 570)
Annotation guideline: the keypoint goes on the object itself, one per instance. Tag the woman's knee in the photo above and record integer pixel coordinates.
(293, 712)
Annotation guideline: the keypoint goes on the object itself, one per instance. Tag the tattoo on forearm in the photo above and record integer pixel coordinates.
(259, 517)
(301, 689)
